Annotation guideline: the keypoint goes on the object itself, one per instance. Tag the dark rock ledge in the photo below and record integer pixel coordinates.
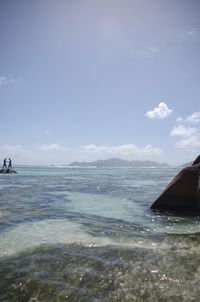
(8, 171)
(183, 192)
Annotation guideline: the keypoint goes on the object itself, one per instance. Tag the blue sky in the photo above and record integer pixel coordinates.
(83, 80)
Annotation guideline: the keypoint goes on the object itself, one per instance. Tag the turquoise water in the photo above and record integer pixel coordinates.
(69, 234)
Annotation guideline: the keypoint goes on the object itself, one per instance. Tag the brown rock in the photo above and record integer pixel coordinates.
(197, 161)
(183, 193)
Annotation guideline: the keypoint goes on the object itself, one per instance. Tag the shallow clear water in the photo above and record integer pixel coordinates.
(69, 234)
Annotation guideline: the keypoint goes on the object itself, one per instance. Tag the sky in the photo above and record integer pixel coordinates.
(96, 79)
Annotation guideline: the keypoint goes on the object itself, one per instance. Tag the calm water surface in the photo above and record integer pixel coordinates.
(69, 234)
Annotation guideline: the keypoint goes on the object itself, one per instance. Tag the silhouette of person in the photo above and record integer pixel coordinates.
(5, 163)
(10, 164)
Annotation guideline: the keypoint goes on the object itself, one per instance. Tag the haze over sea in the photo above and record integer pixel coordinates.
(88, 234)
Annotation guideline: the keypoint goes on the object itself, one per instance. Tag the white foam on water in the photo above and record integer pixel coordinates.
(101, 205)
(33, 234)
(59, 231)
(182, 229)
(62, 231)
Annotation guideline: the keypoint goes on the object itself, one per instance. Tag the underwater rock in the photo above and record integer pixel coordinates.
(183, 192)
(8, 171)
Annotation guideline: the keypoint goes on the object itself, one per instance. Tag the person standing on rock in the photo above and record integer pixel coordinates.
(5, 163)
(10, 164)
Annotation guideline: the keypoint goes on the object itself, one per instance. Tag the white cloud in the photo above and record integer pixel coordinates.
(43, 154)
(56, 154)
(51, 147)
(183, 131)
(189, 143)
(179, 119)
(11, 150)
(16, 150)
(124, 150)
(190, 137)
(160, 112)
(5, 80)
(193, 118)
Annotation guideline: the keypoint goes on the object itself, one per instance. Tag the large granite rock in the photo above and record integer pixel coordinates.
(8, 171)
(183, 193)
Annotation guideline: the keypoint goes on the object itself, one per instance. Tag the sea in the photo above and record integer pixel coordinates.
(88, 234)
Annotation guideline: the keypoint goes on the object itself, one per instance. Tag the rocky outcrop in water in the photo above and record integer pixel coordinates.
(8, 171)
(183, 193)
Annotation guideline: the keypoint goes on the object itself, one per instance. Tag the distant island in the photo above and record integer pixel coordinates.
(119, 163)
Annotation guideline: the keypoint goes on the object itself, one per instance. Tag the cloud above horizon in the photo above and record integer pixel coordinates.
(57, 154)
(193, 118)
(190, 136)
(41, 154)
(160, 112)
(123, 150)
(11, 150)
(183, 131)
(50, 147)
